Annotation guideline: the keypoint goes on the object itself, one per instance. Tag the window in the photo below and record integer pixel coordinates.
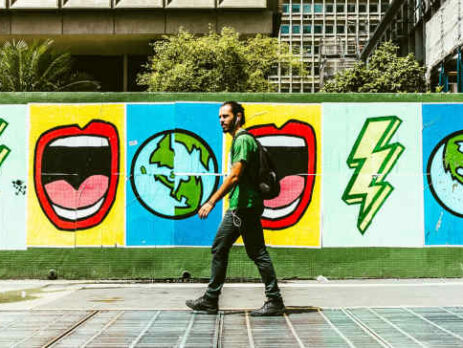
(296, 8)
(350, 8)
(362, 29)
(329, 8)
(340, 29)
(316, 49)
(351, 29)
(296, 49)
(318, 29)
(285, 8)
(329, 29)
(373, 7)
(318, 8)
(307, 29)
(307, 49)
(372, 28)
(362, 8)
(296, 29)
(307, 8)
(285, 29)
(316, 70)
(340, 8)
(384, 7)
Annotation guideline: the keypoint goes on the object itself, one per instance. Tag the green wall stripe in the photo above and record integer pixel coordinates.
(169, 263)
(92, 97)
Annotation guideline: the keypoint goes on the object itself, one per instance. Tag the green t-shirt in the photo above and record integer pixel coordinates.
(245, 194)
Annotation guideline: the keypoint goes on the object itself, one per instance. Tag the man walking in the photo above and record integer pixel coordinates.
(242, 218)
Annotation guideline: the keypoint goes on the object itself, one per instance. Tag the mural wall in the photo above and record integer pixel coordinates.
(443, 168)
(13, 176)
(135, 175)
(372, 181)
(174, 156)
(76, 158)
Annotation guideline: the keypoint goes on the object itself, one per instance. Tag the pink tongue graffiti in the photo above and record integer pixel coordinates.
(90, 191)
(291, 188)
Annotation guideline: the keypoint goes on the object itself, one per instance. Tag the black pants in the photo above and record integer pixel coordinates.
(244, 222)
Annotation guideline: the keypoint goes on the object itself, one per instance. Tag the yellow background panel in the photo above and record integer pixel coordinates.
(306, 232)
(110, 231)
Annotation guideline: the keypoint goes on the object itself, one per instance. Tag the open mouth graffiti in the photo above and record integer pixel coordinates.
(74, 174)
(293, 150)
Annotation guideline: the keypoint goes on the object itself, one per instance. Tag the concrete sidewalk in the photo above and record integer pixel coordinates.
(125, 295)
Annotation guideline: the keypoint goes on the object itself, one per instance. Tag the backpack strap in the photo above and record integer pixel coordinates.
(254, 176)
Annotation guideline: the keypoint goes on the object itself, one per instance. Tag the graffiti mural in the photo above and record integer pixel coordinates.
(443, 168)
(291, 133)
(351, 174)
(294, 152)
(13, 169)
(175, 161)
(77, 160)
(183, 193)
(372, 157)
(73, 174)
(4, 150)
(378, 203)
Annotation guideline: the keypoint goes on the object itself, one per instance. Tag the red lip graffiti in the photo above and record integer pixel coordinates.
(74, 174)
(293, 150)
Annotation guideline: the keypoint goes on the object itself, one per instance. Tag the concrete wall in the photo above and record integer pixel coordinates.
(444, 32)
(100, 27)
(135, 174)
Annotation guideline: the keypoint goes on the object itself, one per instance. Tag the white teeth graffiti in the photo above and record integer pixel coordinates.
(278, 213)
(281, 140)
(81, 141)
(76, 214)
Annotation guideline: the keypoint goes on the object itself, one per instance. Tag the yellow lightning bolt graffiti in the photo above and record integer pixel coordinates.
(373, 158)
(4, 150)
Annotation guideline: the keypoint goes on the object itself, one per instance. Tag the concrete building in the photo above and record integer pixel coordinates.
(433, 31)
(110, 38)
(327, 35)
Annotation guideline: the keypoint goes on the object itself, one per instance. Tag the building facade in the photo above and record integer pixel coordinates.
(327, 36)
(433, 31)
(110, 38)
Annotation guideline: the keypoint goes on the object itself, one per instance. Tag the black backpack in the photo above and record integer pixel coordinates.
(267, 180)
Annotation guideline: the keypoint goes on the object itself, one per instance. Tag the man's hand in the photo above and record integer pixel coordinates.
(205, 210)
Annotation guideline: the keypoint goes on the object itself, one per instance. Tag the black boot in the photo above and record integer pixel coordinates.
(204, 304)
(270, 308)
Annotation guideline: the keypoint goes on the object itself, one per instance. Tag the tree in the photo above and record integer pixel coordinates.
(37, 67)
(215, 63)
(385, 72)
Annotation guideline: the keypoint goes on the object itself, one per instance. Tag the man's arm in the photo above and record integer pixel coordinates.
(229, 182)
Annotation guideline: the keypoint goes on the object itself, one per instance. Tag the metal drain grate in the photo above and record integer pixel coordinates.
(344, 327)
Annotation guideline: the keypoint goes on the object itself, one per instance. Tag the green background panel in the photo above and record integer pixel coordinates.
(169, 263)
(111, 97)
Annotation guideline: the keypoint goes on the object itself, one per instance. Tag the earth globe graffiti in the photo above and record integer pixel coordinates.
(445, 173)
(173, 173)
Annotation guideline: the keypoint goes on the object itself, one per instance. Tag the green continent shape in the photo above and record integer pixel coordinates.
(453, 157)
(191, 143)
(191, 190)
(166, 182)
(163, 155)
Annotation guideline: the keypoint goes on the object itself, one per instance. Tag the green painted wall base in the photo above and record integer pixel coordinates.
(169, 263)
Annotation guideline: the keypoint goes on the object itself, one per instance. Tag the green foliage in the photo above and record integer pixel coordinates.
(385, 73)
(34, 67)
(215, 63)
